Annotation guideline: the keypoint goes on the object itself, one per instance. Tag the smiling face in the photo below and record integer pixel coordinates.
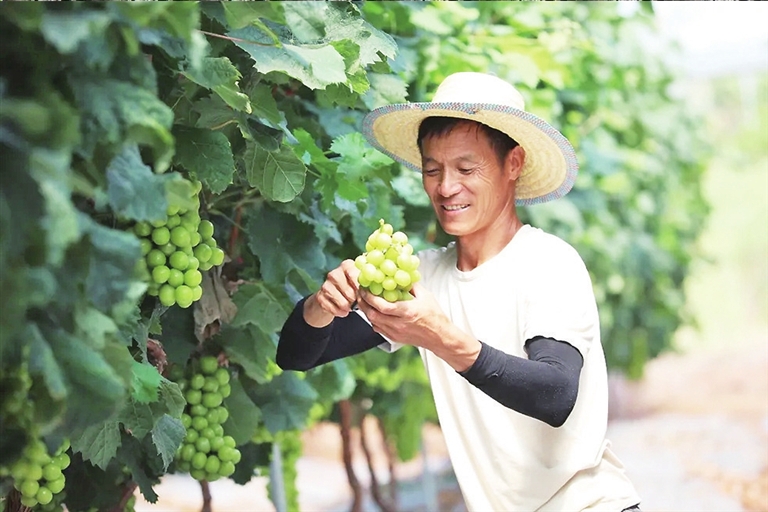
(471, 190)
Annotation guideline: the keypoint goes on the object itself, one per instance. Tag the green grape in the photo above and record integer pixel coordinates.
(389, 284)
(223, 411)
(400, 238)
(211, 242)
(146, 246)
(193, 278)
(375, 288)
(194, 238)
(192, 436)
(56, 486)
(389, 267)
(187, 452)
(155, 258)
(186, 302)
(168, 249)
(52, 472)
(391, 295)
(360, 261)
(212, 464)
(402, 278)
(172, 210)
(226, 468)
(375, 257)
(368, 272)
(44, 496)
(222, 376)
(197, 293)
(29, 487)
(203, 444)
(179, 260)
(217, 256)
(62, 460)
(193, 397)
(218, 430)
(161, 235)
(205, 228)
(217, 443)
(167, 295)
(198, 410)
(385, 228)
(209, 365)
(197, 381)
(172, 222)
(199, 460)
(199, 423)
(160, 274)
(142, 229)
(179, 236)
(229, 441)
(211, 400)
(203, 253)
(28, 501)
(175, 278)
(193, 263)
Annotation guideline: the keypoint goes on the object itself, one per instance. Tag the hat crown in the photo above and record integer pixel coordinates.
(470, 87)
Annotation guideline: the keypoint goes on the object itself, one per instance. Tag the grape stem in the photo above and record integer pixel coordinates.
(128, 490)
(205, 487)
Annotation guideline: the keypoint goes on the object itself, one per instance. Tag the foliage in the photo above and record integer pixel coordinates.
(106, 109)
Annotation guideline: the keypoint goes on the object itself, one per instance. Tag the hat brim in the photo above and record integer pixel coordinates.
(550, 162)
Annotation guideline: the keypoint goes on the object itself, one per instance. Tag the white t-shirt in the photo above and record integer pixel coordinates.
(505, 461)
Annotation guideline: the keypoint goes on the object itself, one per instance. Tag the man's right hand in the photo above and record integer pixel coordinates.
(335, 297)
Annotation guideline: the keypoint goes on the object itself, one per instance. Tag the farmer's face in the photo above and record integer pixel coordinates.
(471, 191)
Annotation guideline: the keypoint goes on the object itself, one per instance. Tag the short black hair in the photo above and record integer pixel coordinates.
(437, 126)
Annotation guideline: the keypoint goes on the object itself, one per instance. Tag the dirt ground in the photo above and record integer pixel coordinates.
(693, 434)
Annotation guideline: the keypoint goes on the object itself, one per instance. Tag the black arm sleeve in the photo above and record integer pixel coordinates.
(303, 347)
(542, 387)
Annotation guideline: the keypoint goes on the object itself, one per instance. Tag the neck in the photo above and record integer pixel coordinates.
(476, 248)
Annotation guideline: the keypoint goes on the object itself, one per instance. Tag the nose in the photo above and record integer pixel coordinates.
(449, 184)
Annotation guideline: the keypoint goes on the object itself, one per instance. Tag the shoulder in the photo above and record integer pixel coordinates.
(536, 243)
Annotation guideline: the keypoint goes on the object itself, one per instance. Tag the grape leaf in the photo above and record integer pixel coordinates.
(264, 104)
(244, 415)
(262, 306)
(207, 155)
(131, 453)
(114, 255)
(221, 76)
(333, 381)
(385, 90)
(98, 443)
(134, 191)
(167, 434)
(178, 334)
(42, 362)
(277, 253)
(252, 349)
(117, 112)
(145, 382)
(315, 66)
(171, 399)
(214, 113)
(179, 20)
(137, 418)
(241, 14)
(309, 153)
(279, 175)
(284, 401)
(94, 326)
(330, 21)
(66, 30)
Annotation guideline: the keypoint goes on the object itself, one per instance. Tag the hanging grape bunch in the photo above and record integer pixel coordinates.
(206, 453)
(37, 475)
(176, 252)
(388, 268)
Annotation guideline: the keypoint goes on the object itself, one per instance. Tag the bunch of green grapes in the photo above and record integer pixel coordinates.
(175, 251)
(206, 453)
(388, 268)
(38, 475)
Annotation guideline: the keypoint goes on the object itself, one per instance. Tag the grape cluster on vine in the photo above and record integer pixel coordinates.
(206, 453)
(388, 268)
(176, 251)
(37, 475)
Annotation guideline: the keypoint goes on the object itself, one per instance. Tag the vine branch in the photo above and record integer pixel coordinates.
(205, 487)
(383, 504)
(345, 411)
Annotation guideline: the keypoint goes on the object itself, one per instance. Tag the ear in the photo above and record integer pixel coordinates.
(514, 162)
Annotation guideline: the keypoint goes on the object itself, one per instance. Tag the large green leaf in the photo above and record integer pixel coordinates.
(222, 77)
(167, 434)
(284, 401)
(207, 155)
(134, 191)
(279, 175)
(66, 30)
(279, 254)
(117, 112)
(244, 415)
(98, 443)
(261, 305)
(316, 65)
(251, 348)
(146, 381)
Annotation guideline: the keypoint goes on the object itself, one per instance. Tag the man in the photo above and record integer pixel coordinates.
(505, 318)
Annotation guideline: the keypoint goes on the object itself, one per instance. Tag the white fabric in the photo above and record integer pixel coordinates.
(505, 461)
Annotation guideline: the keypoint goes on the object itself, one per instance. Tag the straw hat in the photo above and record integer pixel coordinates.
(550, 162)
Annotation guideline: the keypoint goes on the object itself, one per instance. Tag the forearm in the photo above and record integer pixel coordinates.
(544, 387)
(303, 346)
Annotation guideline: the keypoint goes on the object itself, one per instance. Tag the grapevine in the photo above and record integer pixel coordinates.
(175, 252)
(206, 453)
(388, 268)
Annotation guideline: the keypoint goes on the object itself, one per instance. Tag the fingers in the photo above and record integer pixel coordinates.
(339, 291)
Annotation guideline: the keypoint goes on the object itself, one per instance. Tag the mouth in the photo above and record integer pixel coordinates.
(454, 207)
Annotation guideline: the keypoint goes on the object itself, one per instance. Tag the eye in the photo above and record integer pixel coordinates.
(430, 172)
(466, 171)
